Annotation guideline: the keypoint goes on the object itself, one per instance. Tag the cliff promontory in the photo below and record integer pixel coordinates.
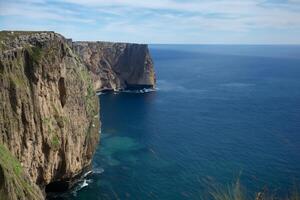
(117, 66)
(49, 125)
(49, 120)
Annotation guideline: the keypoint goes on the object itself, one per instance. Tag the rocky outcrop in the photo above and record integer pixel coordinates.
(117, 66)
(49, 126)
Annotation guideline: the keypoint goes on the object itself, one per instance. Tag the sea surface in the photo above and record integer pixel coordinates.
(221, 113)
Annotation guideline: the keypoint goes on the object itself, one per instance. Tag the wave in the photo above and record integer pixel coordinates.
(85, 181)
(80, 185)
(87, 173)
(84, 184)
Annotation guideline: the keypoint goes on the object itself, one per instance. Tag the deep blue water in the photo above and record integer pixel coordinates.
(220, 113)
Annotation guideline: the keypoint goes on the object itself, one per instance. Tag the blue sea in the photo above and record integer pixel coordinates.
(221, 113)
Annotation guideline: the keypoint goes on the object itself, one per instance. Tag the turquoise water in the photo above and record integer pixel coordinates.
(220, 112)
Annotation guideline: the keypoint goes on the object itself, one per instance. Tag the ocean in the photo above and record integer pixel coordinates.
(221, 114)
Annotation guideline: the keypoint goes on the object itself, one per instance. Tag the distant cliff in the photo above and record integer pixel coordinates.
(49, 126)
(117, 66)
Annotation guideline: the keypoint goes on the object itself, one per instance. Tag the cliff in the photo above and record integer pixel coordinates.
(49, 126)
(117, 66)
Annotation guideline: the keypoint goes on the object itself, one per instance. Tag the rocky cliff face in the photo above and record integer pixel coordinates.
(117, 66)
(48, 113)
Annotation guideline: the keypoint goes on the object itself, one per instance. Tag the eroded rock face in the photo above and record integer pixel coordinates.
(117, 66)
(48, 111)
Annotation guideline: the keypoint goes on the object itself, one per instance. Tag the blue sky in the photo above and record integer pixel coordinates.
(159, 21)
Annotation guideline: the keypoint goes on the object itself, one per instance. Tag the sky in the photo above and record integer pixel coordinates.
(159, 21)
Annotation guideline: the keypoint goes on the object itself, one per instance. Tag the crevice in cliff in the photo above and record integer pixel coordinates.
(1, 67)
(25, 126)
(30, 65)
(13, 95)
(1, 178)
(62, 91)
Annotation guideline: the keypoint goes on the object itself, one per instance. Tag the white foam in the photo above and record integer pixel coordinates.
(84, 184)
(87, 173)
(81, 185)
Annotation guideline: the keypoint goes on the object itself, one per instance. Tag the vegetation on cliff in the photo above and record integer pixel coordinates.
(14, 184)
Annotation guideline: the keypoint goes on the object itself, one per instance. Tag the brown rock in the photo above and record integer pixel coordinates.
(48, 111)
(117, 66)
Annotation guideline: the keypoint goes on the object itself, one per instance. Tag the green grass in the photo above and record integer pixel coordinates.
(17, 81)
(236, 191)
(8, 161)
(55, 142)
(36, 53)
(14, 185)
(90, 93)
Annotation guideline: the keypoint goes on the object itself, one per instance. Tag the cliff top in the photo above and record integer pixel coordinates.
(10, 35)
(17, 39)
(105, 42)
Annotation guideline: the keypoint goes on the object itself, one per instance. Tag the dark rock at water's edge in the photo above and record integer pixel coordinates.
(49, 120)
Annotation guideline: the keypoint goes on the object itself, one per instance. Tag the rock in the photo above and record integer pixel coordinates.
(117, 66)
(48, 111)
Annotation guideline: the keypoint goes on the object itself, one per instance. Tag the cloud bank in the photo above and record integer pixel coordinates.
(160, 21)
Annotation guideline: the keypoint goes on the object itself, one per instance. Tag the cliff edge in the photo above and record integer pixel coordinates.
(49, 126)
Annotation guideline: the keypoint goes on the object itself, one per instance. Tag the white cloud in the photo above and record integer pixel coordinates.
(159, 20)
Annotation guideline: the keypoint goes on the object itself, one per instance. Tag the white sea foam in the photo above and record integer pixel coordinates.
(80, 185)
(87, 173)
(84, 184)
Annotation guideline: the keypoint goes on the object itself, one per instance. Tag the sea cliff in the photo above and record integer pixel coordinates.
(49, 120)
(117, 66)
